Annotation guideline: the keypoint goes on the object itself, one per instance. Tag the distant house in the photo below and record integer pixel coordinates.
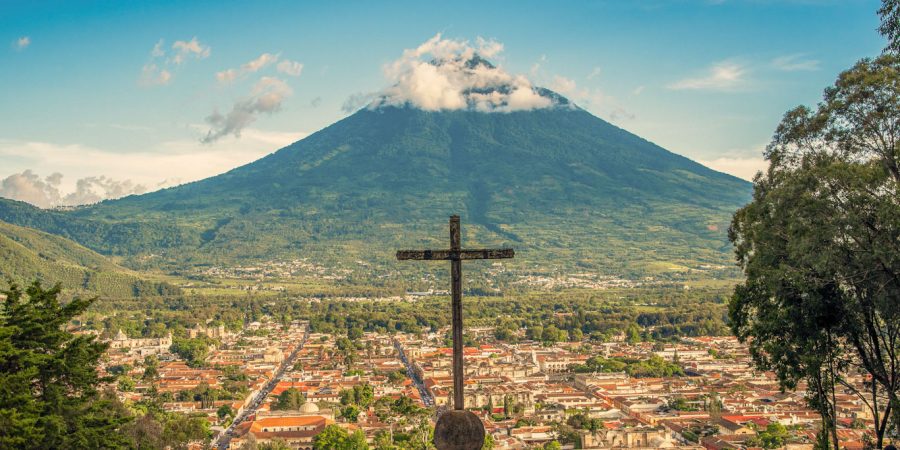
(141, 346)
(296, 430)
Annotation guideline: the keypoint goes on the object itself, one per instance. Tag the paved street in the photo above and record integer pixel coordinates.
(223, 439)
(423, 391)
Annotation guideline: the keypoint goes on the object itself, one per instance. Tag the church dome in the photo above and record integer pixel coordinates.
(309, 408)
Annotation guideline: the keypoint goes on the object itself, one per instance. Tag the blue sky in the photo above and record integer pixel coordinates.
(120, 95)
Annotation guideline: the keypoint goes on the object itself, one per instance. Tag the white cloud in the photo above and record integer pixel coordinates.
(488, 48)
(566, 86)
(619, 114)
(741, 167)
(158, 51)
(264, 60)
(22, 43)
(189, 49)
(356, 101)
(266, 97)
(443, 74)
(721, 76)
(229, 75)
(595, 73)
(29, 187)
(596, 100)
(638, 90)
(536, 67)
(152, 75)
(166, 164)
(158, 71)
(288, 67)
(795, 62)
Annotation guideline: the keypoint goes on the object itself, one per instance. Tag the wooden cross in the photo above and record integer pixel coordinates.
(456, 255)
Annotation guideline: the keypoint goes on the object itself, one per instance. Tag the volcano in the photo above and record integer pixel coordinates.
(558, 183)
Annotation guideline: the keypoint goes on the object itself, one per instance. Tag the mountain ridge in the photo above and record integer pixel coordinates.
(554, 180)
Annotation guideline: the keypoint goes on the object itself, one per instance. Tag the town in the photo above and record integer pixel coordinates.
(282, 383)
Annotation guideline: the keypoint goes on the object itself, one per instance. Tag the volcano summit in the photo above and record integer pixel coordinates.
(454, 134)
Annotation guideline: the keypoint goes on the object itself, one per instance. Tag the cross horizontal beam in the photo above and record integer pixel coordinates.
(455, 255)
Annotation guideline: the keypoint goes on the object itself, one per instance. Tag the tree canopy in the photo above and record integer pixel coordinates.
(49, 396)
(290, 399)
(333, 437)
(818, 245)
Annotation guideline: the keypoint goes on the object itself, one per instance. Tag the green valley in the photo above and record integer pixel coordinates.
(30, 255)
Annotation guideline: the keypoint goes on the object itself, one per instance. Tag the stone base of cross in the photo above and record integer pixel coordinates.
(457, 429)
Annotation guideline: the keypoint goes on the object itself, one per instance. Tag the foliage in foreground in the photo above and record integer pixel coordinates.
(50, 393)
(819, 247)
(49, 396)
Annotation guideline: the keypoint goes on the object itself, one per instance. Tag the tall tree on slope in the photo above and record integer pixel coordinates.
(49, 394)
(820, 247)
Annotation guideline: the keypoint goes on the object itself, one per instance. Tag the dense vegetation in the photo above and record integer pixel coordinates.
(289, 400)
(560, 317)
(819, 247)
(28, 254)
(640, 314)
(50, 395)
(655, 367)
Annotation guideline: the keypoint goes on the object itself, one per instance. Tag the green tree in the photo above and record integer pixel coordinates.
(680, 404)
(581, 421)
(356, 441)
(351, 413)
(819, 250)
(289, 400)
(334, 437)
(151, 368)
(126, 383)
(49, 396)
(404, 406)
(225, 411)
(488, 442)
(360, 395)
(633, 333)
(275, 444)
(193, 351)
(507, 406)
(714, 406)
(890, 24)
(535, 333)
(576, 335)
(774, 436)
(180, 430)
(160, 430)
(397, 376)
(551, 334)
(354, 333)
(383, 441)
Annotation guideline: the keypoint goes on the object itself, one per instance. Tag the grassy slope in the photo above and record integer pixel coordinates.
(29, 254)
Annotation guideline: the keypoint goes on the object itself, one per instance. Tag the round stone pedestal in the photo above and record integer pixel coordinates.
(458, 430)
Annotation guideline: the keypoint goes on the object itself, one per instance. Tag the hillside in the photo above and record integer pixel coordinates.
(567, 189)
(28, 254)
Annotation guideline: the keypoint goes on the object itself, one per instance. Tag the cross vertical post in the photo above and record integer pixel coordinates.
(457, 429)
(456, 308)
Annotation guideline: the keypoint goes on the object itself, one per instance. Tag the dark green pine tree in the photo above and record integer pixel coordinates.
(49, 395)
